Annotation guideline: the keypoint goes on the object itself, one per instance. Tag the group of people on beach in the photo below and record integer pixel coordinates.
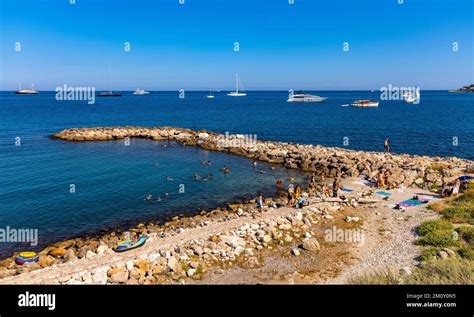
(383, 179)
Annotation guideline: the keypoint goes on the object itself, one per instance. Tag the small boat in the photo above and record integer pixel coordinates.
(411, 97)
(126, 245)
(26, 257)
(237, 93)
(210, 96)
(26, 91)
(345, 105)
(140, 92)
(302, 97)
(109, 93)
(365, 103)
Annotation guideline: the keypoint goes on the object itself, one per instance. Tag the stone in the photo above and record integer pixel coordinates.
(198, 250)
(119, 277)
(101, 249)
(191, 272)
(311, 245)
(70, 255)
(295, 251)
(57, 252)
(90, 254)
(405, 271)
(174, 265)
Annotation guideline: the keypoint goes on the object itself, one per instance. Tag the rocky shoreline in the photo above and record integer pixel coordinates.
(406, 170)
(188, 247)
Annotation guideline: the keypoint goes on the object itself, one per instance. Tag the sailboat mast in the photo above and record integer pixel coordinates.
(110, 85)
(237, 83)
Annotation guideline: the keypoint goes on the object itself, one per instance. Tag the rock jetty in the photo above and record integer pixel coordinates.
(405, 170)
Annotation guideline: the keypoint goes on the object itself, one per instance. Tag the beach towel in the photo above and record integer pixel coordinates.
(346, 190)
(465, 178)
(383, 193)
(411, 203)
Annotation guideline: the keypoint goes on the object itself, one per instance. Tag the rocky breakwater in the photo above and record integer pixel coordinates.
(405, 170)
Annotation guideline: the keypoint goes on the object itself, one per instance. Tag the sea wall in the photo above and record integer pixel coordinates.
(406, 170)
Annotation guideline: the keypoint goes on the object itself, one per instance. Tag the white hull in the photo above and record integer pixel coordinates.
(140, 92)
(307, 99)
(210, 97)
(365, 104)
(236, 94)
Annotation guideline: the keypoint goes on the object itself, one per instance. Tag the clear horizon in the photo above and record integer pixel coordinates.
(281, 46)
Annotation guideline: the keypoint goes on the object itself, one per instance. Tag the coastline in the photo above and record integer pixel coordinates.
(292, 225)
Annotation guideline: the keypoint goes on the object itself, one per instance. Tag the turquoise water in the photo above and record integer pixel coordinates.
(111, 179)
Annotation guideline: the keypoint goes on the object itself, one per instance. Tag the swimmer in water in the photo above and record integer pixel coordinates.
(225, 169)
(148, 197)
(168, 178)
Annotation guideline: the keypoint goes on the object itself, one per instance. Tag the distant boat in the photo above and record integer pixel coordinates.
(302, 97)
(140, 92)
(26, 91)
(345, 105)
(210, 96)
(109, 93)
(411, 97)
(365, 103)
(236, 93)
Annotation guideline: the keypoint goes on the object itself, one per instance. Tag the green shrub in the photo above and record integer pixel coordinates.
(466, 233)
(438, 238)
(457, 214)
(428, 254)
(466, 253)
(434, 225)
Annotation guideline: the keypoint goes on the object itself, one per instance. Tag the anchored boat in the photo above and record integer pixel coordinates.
(365, 103)
(237, 93)
(302, 97)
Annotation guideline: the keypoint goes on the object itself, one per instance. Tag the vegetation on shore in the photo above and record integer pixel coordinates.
(447, 247)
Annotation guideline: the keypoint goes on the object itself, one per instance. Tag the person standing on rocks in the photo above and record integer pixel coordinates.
(386, 146)
(260, 201)
(335, 187)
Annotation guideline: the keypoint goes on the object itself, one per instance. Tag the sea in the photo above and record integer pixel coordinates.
(67, 189)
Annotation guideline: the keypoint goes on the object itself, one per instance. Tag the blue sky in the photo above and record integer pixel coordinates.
(282, 46)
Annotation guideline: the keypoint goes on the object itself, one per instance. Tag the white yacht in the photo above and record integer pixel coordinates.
(140, 92)
(302, 97)
(237, 93)
(26, 91)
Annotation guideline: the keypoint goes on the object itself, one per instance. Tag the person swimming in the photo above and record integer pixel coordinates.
(225, 169)
(272, 167)
(196, 176)
(168, 178)
(148, 197)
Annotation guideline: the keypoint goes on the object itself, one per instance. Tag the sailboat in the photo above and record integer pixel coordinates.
(26, 91)
(236, 93)
(210, 96)
(109, 93)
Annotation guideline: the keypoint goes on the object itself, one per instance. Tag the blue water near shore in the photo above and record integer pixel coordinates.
(111, 179)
